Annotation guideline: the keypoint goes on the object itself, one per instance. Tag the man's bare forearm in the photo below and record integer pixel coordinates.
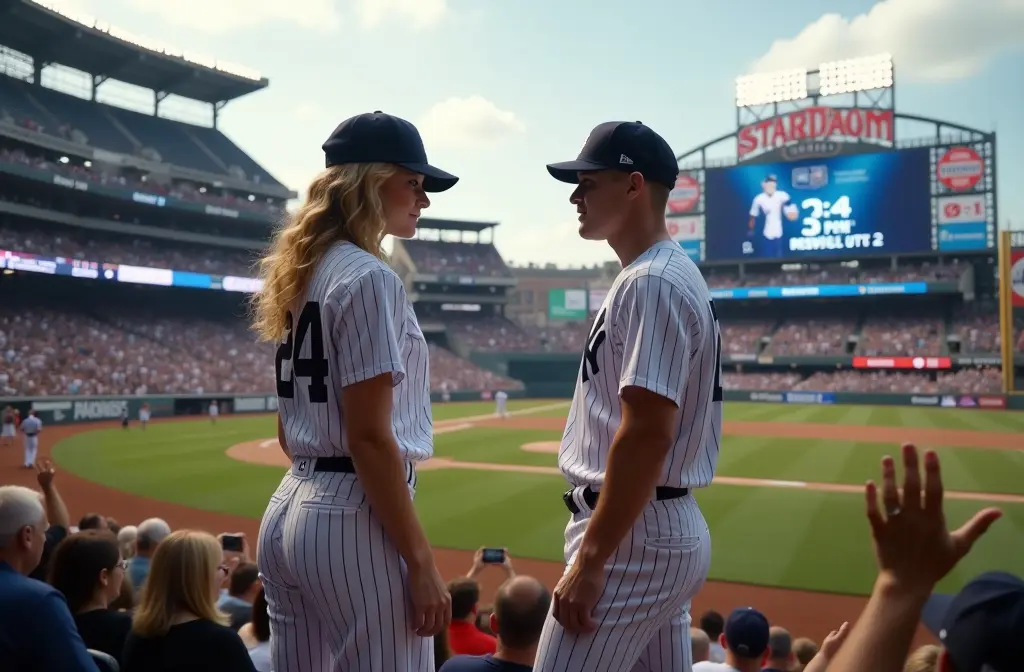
(635, 460)
(382, 473)
(882, 635)
(56, 511)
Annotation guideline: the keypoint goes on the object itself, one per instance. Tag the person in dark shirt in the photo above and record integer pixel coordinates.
(37, 633)
(56, 514)
(520, 608)
(88, 570)
(176, 625)
(243, 587)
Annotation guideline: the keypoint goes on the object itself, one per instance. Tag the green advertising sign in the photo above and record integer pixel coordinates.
(567, 304)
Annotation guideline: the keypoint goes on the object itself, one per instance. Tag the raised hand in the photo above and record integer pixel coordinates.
(912, 545)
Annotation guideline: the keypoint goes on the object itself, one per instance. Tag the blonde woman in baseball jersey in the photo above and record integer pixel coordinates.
(643, 429)
(349, 574)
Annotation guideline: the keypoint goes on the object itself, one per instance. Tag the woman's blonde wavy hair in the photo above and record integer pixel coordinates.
(342, 203)
(180, 581)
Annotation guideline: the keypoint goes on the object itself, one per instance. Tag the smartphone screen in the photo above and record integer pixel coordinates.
(231, 542)
(494, 555)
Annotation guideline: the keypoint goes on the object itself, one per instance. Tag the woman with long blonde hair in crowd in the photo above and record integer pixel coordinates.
(176, 625)
(348, 572)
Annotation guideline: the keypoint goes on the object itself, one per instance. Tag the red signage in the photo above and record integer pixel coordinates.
(992, 402)
(961, 168)
(684, 195)
(817, 124)
(901, 363)
(1017, 277)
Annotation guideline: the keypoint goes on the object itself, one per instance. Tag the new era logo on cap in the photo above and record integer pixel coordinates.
(625, 146)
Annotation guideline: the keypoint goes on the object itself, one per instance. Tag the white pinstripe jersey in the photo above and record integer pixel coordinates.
(355, 322)
(658, 330)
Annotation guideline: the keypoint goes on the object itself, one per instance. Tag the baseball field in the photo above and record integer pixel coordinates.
(785, 511)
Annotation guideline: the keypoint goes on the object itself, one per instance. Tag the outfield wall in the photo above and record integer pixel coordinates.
(64, 410)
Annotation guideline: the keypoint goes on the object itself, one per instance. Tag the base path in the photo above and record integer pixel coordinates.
(804, 613)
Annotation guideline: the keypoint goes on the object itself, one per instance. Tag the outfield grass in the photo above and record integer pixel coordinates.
(773, 536)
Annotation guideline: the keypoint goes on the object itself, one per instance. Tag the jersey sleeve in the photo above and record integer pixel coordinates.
(755, 206)
(369, 329)
(657, 328)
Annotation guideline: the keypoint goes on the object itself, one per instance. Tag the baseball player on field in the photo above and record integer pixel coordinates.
(214, 411)
(501, 403)
(30, 428)
(644, 426)
(349, 574)
(767, 209)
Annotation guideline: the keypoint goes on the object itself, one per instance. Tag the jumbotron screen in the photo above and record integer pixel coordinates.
(875, 203)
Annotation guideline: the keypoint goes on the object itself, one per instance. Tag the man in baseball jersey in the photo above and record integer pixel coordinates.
(30, 428)
(767, 209)
(644, 426)
(349, 574)
(501, 403)
(214, 411)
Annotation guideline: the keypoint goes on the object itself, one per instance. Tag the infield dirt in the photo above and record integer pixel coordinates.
(804, 613)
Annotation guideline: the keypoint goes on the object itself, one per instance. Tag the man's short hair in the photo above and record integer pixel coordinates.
(780, 642)
(712, 623)
(242, 578)
(465, 593)
(91, 521)
(151, 532)
(521, 606)
(20, 507)
(805, 649)
(700, 644)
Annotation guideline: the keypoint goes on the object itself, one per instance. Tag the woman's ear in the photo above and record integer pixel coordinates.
(104, 577)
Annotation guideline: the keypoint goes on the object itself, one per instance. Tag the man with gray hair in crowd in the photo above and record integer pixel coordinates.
(148, 536)
(700, 646)
(37, 632)
(780, 643)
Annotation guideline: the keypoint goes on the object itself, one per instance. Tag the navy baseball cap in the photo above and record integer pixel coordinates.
(770, 178)
(982, 627)
(384, 138)
(746, 632)
(627, 146)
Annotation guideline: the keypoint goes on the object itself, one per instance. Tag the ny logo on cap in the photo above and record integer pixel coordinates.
(625, 160)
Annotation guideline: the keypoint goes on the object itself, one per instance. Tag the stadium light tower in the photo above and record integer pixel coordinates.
(771, 87)
(855, 74)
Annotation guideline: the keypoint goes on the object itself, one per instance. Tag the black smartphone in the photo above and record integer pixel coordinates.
(494, 556)
(232, 542)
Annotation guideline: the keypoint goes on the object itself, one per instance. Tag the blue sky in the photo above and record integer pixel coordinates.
(501, 87)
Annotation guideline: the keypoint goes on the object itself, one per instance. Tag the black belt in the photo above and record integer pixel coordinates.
(590, 497)
(32, 434)
(336, 465)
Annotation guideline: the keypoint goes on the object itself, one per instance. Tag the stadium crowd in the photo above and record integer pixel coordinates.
(837, 274)
(67, 352)
(475, 259)
(143, 597)
(181, 190)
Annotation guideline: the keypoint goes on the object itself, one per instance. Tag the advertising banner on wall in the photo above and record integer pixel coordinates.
(567, 304)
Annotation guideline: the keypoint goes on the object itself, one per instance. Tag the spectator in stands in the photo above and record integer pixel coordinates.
(243, 588)
(149, 534)
(805, 650)
(700, 646)
(982, 627)
(924, 659)
(442, 652)
(256, 633)
(88, 570)
(126, 539)
(780, 644)
(520, 608)
(56, 514)
(176, 625)
(37, 632)
(463, 635)
(713, 624)
(92, 521)
(746, 643)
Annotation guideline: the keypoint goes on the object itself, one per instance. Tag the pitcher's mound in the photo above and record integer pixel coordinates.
(541, 446)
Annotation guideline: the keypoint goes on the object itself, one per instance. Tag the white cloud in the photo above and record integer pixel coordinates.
(419, 13)
(469, 122)
(930, 40)
(226, 16)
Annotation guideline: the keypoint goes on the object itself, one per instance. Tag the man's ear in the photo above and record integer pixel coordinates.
(943, 663)
(722, 642)
(494, 624)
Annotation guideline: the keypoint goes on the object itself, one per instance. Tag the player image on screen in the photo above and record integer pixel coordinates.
(766, 216)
